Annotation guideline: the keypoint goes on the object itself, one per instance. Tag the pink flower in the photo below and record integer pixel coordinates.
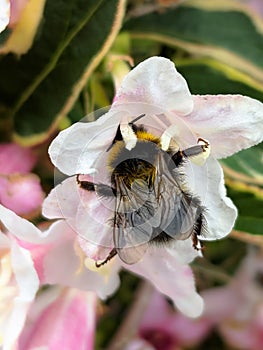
(237, 309)
(19, 190)
(60, 319)
(165, 329)
(57, 256)
(30, 258)
(157, 91)
(16, 159)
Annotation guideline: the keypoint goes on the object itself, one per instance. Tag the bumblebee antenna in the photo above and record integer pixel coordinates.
(136, 119)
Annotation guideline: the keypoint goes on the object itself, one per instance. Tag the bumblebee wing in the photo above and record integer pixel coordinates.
(129, 250)
(132, 229)
(179, 209)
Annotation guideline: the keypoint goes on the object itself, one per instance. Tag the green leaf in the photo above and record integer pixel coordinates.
(207, 76)
(249, 201)
(245, 166)
(250, 224)
(42, 86)
(218, 29)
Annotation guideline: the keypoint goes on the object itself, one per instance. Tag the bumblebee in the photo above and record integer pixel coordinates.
(152, 202)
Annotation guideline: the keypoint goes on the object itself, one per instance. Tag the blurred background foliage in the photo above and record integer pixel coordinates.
(76, 57)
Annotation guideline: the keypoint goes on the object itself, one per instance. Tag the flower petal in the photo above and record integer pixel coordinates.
(156, 82)
(14, 193)
(229, 122)
(88, 215)
(162, 268)
(94, 225)
(16, 159)
(68, 322)
(61, 265)
(63, 200)
(25, 231)
(76, 149)
(207, 182)
(28, 283)
(4, 14)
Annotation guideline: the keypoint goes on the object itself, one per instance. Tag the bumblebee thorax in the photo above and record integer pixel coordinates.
(134, 164)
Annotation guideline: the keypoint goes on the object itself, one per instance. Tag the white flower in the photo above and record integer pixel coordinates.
(156, 90)
(18, 286)
(4, 14)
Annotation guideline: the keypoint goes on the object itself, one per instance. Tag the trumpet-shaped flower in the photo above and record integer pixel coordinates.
(16, 181)
(19, 283)
(31, 257)
(60, 318)
(239, 318)
(164, 329)
(156, 92)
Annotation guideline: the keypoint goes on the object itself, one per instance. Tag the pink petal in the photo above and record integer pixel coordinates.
(21, 193)
(139, 344)
(189, 332)
(229, 122)
(221, 303)
(156, 82)
(17, 6)
(67, 323)
(171, 278)
(16, 159)
(88, 215)
(25, 231)
(239, 335)
(69, 272)
(157, 306)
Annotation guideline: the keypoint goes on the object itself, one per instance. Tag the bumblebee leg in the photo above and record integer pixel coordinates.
(195, 241)
(199, 152)
(85, 185)
(109, 257)
(100, 189)
(201, 147)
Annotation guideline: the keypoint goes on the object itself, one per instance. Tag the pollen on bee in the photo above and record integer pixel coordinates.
(114, 153)
(147, 136)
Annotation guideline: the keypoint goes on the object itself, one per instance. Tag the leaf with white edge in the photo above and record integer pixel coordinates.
(221, 29)
(41, 87)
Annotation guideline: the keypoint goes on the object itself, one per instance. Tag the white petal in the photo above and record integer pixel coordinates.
(76, 149)
(207, 182)
(28, 283)
(229, 122)
(20, 228)
(4, 14)
(94, 221)
(63, 200)
(88, 215)
(156, 82)
(26, 231)
(61, 266)
(162, 268)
